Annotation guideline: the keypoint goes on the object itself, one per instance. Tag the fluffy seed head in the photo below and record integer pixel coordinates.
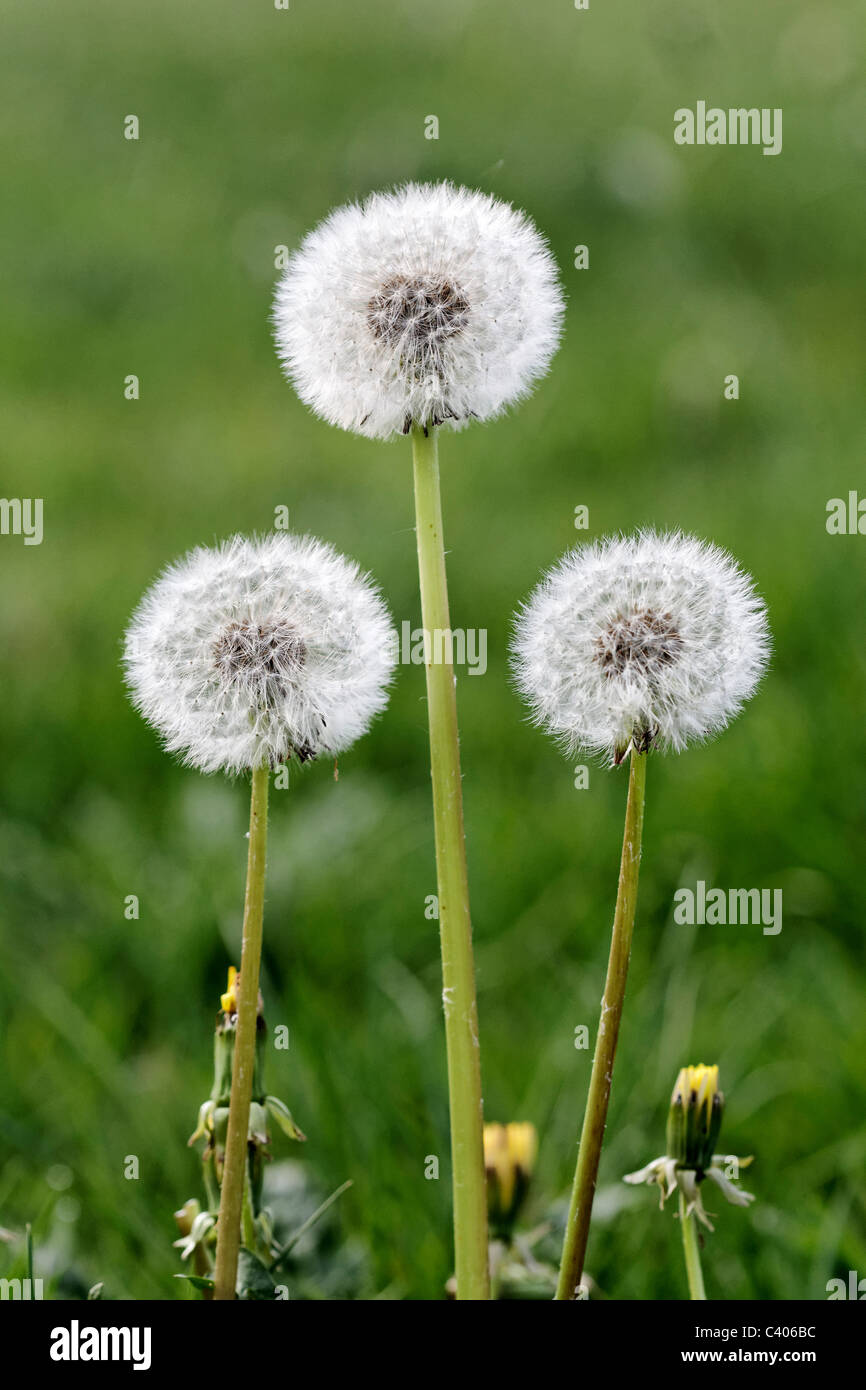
(258, 650)
(429, 304)
(640, 641)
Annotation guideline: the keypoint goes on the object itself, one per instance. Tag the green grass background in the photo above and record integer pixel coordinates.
(157, 258)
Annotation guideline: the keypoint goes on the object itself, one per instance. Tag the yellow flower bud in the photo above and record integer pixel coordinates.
(228, 1001)
(509, 1159)
(695, 1117)
(694, 1122)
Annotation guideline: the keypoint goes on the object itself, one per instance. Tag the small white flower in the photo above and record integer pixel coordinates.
(258, 650)
(640, 641)
(429, 304)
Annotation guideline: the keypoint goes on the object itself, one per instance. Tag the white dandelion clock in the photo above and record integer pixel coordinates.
(258, 651)
(241, 657)
(427, 306)
(430, 304)
(632, 643)
(640, 641)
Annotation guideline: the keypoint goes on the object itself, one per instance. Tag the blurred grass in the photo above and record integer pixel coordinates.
(156, 258)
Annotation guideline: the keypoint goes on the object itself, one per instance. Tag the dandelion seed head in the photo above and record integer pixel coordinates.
(651, 640)
(418, 315)
(428, 304)
(260, 650)
(265, 655)
(642, 640)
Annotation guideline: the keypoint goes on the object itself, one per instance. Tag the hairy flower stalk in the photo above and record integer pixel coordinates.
(235, 1167)
(692, 1252)
(455, 926)
(244, 657)
(595, 1115)
(631, 644)
(426, 307)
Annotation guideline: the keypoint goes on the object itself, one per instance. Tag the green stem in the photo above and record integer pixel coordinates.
(595, 1115)
(455, 927)
(308, 1224)
(234, 1170)
(692, 1253)
(248, 1225)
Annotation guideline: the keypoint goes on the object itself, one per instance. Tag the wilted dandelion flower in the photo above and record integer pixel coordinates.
(430, 304)
(260, 650)
(694, 1122)
(640, 641)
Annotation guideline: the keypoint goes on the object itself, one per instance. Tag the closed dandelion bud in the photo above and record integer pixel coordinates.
(509, 1160)
(694, 1123)
(258, 1131)
(185, 1217)
(224, 1040)
(695, 1117)
(213, 1116)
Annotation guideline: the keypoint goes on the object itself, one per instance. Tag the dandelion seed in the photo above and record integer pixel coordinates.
(430, 304)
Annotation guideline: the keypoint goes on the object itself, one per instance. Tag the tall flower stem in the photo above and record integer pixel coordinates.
(235, 1167)
(692, 1253)
(455, 927)
(595, 1115)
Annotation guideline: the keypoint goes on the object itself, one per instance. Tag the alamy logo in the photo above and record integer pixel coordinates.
(855, 1288)
(846, 517)
(23, 1289)
(76, 1343)
(415, 646)
(700, 906)
(738, 125)
(22, 516)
